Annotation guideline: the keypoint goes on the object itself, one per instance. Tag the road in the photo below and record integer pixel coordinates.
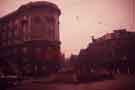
(122, 82)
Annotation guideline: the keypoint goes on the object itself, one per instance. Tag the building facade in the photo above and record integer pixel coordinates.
(31, 33)
(114, 51)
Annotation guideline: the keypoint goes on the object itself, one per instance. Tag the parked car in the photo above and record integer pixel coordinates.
(94, 75)
(9, 81)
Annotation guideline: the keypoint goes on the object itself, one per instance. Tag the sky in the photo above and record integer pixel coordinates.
(81, 19)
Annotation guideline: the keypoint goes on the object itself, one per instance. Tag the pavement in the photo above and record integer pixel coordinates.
(121, 82)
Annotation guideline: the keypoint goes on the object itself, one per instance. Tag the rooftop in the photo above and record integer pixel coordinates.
(30, 5)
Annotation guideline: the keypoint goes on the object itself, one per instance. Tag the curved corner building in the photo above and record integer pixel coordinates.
(31, 32)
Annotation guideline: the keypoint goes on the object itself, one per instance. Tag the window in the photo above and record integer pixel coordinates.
(4, 43)
(24, 50)
(9, 34)
(4, 36)
(38, 49)
(50, 19)
(37, 19)
(24, 20)
(50, 22)
(8, 42)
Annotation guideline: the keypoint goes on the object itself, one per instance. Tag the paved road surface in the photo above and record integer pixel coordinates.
(123, 82)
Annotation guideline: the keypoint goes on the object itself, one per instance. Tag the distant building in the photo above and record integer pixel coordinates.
(117, 34)
(114, 49)
(31, 32)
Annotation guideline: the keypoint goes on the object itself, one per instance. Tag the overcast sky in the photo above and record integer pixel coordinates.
(81, 19)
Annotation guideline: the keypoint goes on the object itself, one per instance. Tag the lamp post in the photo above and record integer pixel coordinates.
(133, 13)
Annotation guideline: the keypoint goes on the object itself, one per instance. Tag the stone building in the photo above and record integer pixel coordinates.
(114, 51)
(31, 34)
